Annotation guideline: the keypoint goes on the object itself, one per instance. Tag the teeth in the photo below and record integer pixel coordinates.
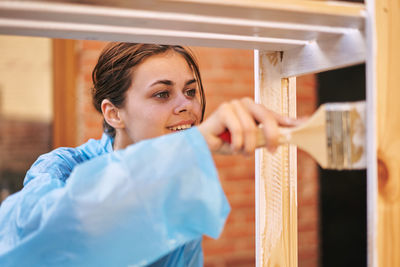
(180, 127)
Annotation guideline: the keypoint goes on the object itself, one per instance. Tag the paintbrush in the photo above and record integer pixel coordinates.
(334, 136)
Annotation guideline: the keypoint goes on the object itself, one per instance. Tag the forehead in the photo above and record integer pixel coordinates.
(170, 63)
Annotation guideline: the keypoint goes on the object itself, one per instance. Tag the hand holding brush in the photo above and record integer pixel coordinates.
(334, 136)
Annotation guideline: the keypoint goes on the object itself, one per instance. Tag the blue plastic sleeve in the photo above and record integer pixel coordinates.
(126, 208)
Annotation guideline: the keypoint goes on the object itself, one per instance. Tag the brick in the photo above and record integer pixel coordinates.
(21, 143)
(239, 231)
(218, 248)
(239, 187)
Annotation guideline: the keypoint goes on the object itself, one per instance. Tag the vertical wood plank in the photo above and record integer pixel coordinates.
(371, 146)
(64, 93)
(276, 205)
(387, 14)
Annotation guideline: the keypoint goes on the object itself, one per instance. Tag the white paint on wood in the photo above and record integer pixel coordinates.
(258, 156)
(312, 34)
(276, 181)
(372, 170)
(317, 56)
(282, 8)
(167, 20)
(335, 14)
(141, 35)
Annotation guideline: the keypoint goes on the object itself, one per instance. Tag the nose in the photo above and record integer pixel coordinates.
(183, 104)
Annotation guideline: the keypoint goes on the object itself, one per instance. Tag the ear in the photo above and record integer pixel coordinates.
(111, 114)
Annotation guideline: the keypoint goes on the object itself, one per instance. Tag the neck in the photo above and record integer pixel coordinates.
(121, 140)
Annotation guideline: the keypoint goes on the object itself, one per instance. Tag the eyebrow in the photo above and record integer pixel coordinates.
(190, 82)
(169, 82)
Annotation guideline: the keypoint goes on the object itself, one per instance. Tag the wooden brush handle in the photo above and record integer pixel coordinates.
(334, 136)
(286, 136)
(260, 142)
(310, 136)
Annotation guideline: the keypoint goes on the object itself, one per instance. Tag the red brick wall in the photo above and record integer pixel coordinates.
(21, 143)
(307, 182)
(227, 74)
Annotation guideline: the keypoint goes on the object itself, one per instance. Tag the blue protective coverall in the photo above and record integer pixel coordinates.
(89, 206)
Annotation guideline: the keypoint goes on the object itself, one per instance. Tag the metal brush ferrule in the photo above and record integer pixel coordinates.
(338, 129)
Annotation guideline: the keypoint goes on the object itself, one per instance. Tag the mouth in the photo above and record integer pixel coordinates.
(180, 127)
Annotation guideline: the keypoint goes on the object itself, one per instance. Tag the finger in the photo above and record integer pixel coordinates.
(285, 121)
(269, 122)
(231, 121)
(271, 132)
(208, 129)
(249, 127)
(281, 120)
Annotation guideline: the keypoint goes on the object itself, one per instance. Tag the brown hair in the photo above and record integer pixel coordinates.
(112, 75)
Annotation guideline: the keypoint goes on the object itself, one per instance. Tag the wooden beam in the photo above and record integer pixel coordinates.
(64, 93)
(265, 25)
(71, 30)
(371, 136)
(387, 64)
(161, 19)
(323, 55)
(308, 7)
(276, 174)
(327, 13)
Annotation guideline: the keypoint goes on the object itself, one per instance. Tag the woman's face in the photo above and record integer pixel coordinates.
(163, 98)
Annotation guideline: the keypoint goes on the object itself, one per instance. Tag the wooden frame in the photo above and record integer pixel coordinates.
(383, 92)
(64, 93)
(315, 36)
(276, 182)
(309, 36)
(372, 181)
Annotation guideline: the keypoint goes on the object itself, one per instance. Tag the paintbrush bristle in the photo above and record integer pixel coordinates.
(334, 136)
(345, 133)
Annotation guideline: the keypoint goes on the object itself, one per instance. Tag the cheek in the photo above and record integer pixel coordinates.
(155, 119)
(149, 118)
(146, 125)
(197, 110)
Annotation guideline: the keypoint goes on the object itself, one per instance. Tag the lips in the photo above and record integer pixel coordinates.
(181, 126)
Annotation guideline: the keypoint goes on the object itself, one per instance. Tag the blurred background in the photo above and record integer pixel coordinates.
(45, 103)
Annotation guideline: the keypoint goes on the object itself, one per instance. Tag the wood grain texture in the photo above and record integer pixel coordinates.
(266, 25)
(329, 13)
(302, 6)
(388, 129)
(64, 93)
(277, 181)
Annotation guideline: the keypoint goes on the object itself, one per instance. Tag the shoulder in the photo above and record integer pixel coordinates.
(59, 163)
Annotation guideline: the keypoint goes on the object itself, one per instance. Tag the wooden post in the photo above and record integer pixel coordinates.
(387, 63)
(64, 93)
(276, 174)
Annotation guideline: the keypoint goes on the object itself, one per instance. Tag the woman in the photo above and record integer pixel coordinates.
(147, 191)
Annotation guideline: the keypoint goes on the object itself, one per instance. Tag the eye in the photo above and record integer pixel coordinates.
(163, 94)
(191, 92)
